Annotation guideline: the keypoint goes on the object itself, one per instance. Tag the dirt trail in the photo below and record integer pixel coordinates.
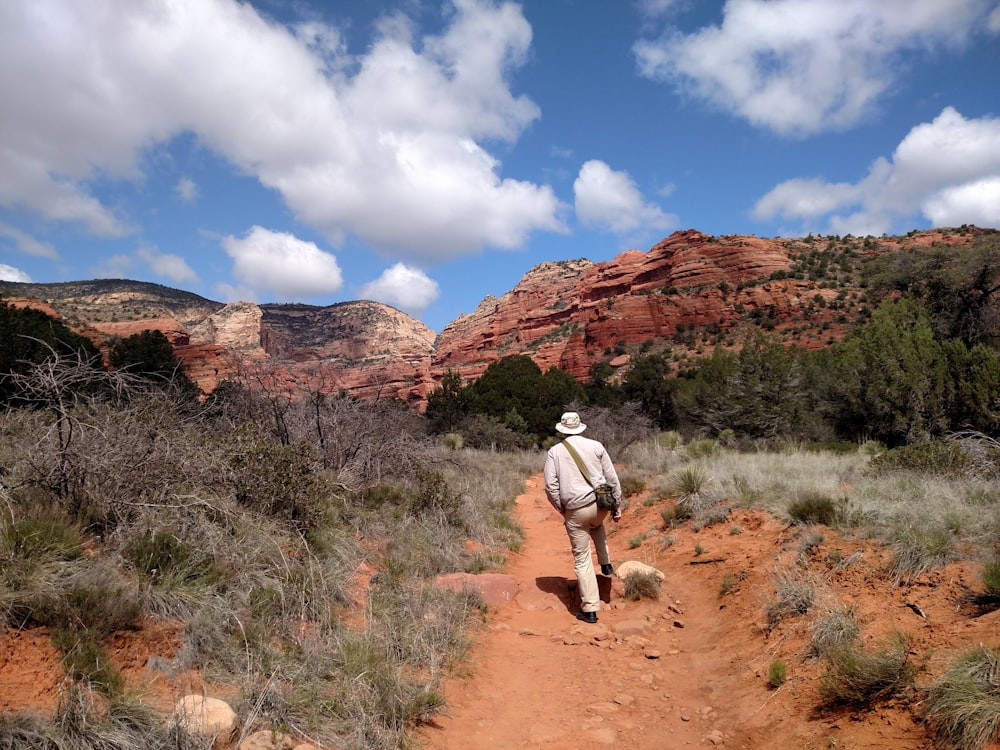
(691, 667)
(640, 678)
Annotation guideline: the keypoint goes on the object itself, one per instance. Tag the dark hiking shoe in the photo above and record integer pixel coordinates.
(590, 617)
(607, 569)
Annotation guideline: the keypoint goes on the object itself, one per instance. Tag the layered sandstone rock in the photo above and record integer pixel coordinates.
(569, 314)
(685, 295)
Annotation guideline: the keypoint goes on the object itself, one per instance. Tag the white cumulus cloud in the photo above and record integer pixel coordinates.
(280, 263)
(172, 267)
(804, 66)
(972, 203)
(610, 200)
(947, 170)
(9, 273)
(399, 131)
(409, 289)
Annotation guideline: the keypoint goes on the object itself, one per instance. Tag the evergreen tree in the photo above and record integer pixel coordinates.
(446, 405)
(516, 384)
(891, 376)
(758, 392)
(151, 356)
(598, 390)
(29, 337)
(959, 286)
(647, 383)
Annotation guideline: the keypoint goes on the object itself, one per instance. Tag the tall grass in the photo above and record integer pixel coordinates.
(254, 534)
(963, 705)
(925, 517)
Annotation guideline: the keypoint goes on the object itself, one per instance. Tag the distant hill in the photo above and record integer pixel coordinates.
(684, 296)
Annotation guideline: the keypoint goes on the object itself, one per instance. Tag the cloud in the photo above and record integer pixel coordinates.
(803, 66)
(172, 267)
(947, 170)
(656, 8)
(27, 244)
(972, 203)
(606, 199)
(280, 263)
(409, 289)
(187, 190)
(398, 131)
(115, 267)
(9, 273)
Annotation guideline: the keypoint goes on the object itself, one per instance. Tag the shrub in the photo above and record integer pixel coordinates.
(871, 448)
(690, 480)
(814, 507)
(991, 577)
(489, 433)
(453, 441)
(670, 440)
(777, 673)
(939, 457)
(857, 678)
(41, 540)
(963, 705)
(162, 554)
(632, 486)
(641, 586)
(702, 448)
(674, 514)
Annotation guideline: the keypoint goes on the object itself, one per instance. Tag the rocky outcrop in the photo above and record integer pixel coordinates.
(569, 314)
(684, 296)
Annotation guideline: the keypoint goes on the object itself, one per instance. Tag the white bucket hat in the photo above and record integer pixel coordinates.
(570, 424)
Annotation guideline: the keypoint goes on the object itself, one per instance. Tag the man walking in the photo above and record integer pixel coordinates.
(572, 495)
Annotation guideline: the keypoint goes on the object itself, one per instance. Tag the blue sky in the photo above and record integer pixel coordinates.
(428, 154)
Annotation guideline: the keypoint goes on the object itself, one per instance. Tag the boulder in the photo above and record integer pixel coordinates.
(210, 718)
(627, 568)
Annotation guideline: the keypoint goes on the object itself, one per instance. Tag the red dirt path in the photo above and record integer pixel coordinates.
(690, 669)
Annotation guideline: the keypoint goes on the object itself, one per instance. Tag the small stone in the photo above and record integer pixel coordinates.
(624, 699)
(651, 653)
(716, 737)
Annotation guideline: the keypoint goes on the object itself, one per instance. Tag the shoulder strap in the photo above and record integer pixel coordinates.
(579, 462)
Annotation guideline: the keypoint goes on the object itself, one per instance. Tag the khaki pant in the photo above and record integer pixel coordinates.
(584, 525)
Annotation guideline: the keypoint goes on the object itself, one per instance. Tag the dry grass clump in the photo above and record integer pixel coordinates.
(963, 705)
(917, 549)
(82, 722)
(795, 594)
(641, 586)
(858, 677)
(835, 629)
(990, 577)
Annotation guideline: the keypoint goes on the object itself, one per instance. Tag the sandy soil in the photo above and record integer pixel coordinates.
(691, 668)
